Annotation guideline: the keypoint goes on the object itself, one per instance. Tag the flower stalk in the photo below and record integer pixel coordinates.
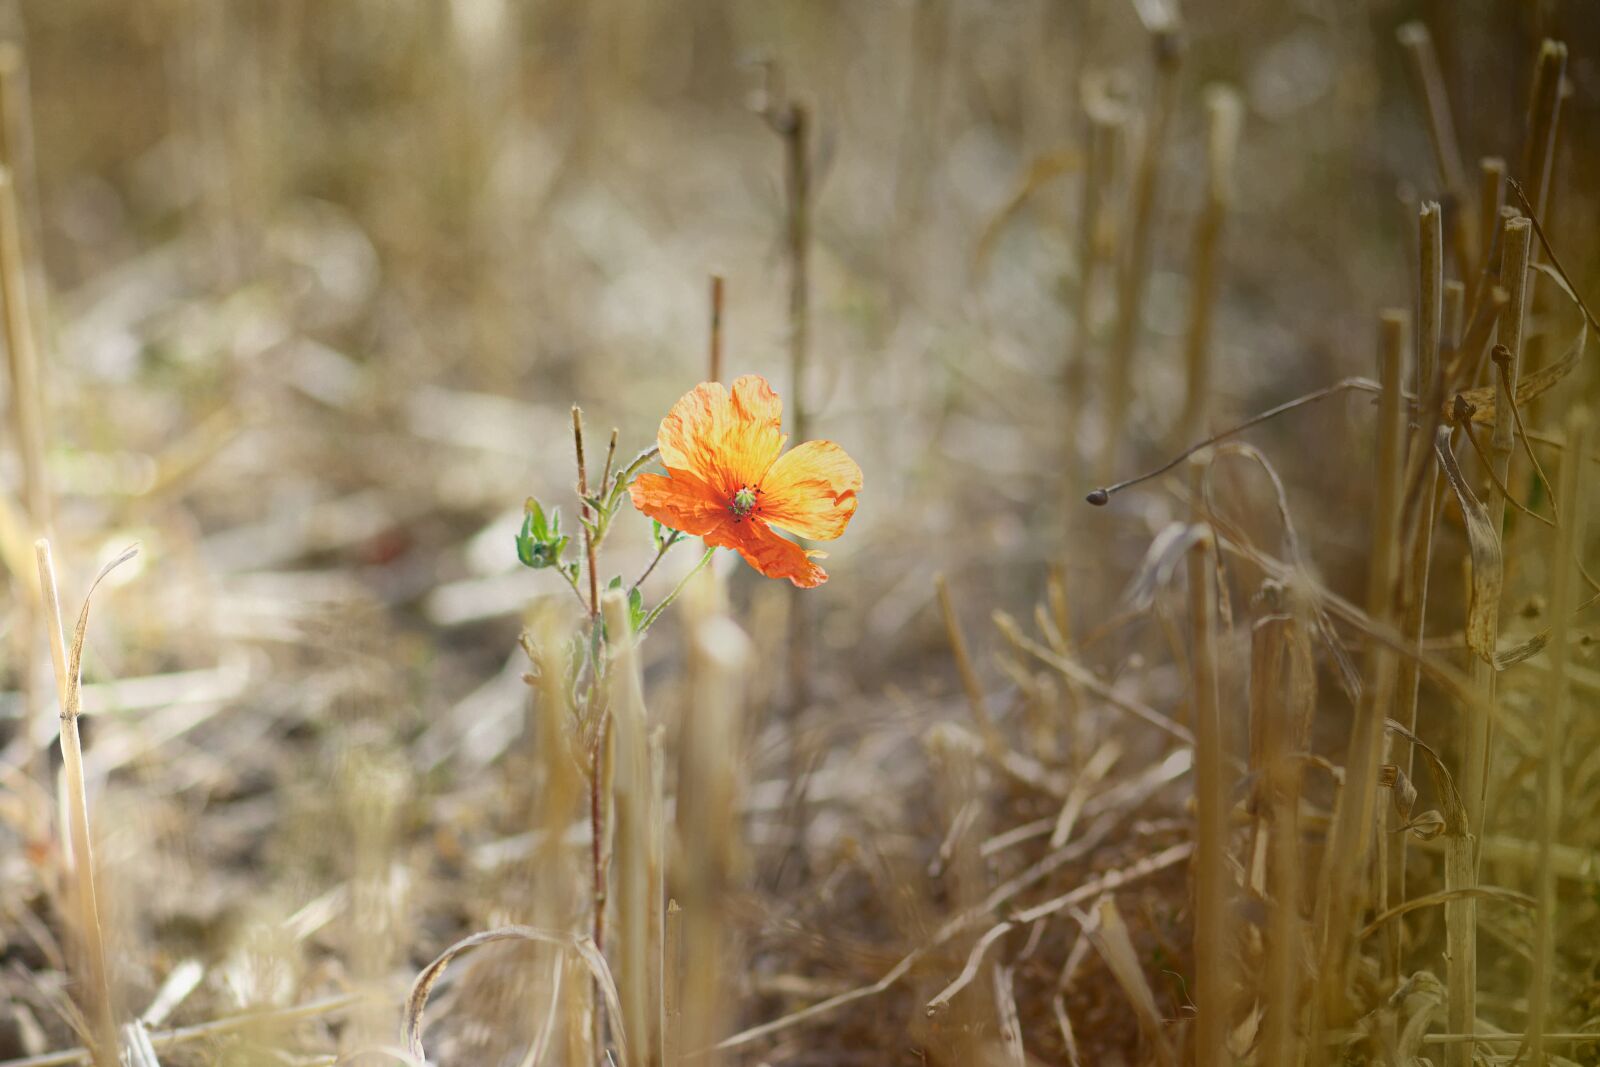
(726, 483)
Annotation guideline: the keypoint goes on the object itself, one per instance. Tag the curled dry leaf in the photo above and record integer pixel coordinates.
(1349, 676)
(1484, 542)
(1111, 938)
(1168, 549)
(1427, 826)
(74, 692)
(1522, 650)
(1400, 786)
(1420, 997)
(583, 947)
(1455, 812)
(1478, 404)
(1291, 538)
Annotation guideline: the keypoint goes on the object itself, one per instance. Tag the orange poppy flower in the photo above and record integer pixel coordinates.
(727, 483)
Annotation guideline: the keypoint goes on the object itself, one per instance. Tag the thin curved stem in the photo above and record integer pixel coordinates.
(572, 583)
(1483, 457)
(670, 597)
(1101, 496)
(677, 535)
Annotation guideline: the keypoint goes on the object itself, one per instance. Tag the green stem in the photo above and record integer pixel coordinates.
(625, 475)
(604, 515)
(572, 583)
(659, 608)
(666, 546)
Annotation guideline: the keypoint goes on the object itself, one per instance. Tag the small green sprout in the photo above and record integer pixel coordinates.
(540, 542)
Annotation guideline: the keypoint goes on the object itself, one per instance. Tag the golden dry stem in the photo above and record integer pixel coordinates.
(1213, 879)
(970, 684)
(637, 861)
(18, 158)
(95, 976)
(707, 863)
(1461, 911)
(1105, 120)
(1430, 85)
(1344, 886)
(1570, 537)
(1491, 198)
(1284, 693)
(589, 546)
(1544, 121)
(22, 352)
(559, 798)
(791, 121)
(1516, 243)
(1224, 116)
(714, 370)
(1167, 47)
(27, 396)
(1432, 318)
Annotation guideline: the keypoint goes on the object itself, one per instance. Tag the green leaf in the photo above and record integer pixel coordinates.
(664, 537)
(540, 543)
(528, 544)
(534, 519)
(615, 582)
(635, 609)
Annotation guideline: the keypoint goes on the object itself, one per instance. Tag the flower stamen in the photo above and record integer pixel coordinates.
(744, 502)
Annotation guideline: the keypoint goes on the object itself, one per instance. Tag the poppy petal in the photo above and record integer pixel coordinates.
(811, 491)
(768, 553)
(755, 400)
(728, 441)
(680, 501)
(754, 437)
(687, 437)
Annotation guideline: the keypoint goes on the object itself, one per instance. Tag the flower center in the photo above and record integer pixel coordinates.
(744, 502)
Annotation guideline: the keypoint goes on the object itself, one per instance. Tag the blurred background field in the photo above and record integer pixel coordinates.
(314, 285)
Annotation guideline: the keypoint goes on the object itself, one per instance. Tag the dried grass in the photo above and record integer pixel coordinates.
(938, 811)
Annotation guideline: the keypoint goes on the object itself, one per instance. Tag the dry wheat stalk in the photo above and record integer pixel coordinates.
(1343, 886)
(1224, 115)
(707, 861)
(637, 862)
(1134, 268)
(1574, 493)
(75, 814)
(1213, 881)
